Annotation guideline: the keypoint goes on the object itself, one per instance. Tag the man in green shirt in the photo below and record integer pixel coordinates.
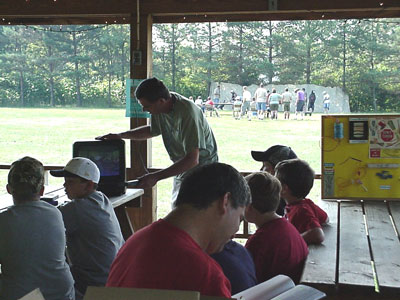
(186, 133)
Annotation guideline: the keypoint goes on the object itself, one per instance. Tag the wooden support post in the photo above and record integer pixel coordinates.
(140, 68)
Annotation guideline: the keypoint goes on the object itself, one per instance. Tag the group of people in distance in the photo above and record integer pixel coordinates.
(191, 248)
(265, 104)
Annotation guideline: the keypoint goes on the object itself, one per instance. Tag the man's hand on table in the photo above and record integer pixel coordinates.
(147, 181)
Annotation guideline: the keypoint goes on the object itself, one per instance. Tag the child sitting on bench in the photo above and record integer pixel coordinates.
(276, 246)
(297, 179)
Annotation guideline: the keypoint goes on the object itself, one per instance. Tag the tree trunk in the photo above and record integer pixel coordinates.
(51, 78)
(21, 88)
(109, 91)
(209, 58)
(344, 57)
(308, 53)
(173, 58)
(240, 65)
(270, 48)
(77, 78)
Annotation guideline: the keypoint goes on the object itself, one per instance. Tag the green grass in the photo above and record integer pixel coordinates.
(48, 134)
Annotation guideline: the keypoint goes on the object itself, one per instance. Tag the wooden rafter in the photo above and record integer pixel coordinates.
(119, 11)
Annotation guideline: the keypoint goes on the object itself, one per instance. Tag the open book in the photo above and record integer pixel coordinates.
(280, 287)
(34, 295)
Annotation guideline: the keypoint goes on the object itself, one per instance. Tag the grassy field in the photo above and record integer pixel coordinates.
(48, 134)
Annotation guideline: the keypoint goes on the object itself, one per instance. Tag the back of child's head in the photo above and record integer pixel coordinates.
(297, 175)
(265, 191)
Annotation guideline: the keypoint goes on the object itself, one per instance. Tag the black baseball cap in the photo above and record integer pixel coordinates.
(274, 154)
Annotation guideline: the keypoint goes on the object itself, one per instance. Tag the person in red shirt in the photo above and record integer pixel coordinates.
(173, 253)
(276, 246)
(297, 179)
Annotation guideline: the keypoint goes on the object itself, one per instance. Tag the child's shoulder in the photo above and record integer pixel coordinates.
(274, 227)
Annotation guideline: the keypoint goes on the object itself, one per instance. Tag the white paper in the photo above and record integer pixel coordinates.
(34, 295)
(267, 289)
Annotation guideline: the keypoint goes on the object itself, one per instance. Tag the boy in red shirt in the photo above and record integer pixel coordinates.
(297, 179)
(276, 246)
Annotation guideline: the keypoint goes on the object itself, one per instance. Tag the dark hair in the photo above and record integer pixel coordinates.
(205, 184)
(26, 178)
(152, 89)
(265, 191)
(297, 175)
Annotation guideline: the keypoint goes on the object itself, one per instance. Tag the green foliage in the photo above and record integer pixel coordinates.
(63, 65)
(362, 57)
(87, 65)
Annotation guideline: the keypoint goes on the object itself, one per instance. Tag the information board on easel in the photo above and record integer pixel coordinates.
(360, 157)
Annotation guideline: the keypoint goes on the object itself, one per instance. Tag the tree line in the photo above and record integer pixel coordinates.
(88, 65)
(360, 56)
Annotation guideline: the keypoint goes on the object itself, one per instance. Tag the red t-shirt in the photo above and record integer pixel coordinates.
(277, 248)
(305, 215)
(162, 256)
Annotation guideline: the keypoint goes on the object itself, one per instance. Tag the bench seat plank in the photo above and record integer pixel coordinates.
(354, 257)
(385, 244)
(395, 209)
(320, 266)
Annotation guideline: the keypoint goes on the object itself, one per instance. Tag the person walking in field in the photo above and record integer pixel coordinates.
(246, 100)
(327, 101)
(286, 100)
(274, 101)
(261, 99)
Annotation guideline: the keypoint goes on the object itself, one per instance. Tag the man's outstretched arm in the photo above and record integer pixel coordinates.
(139, 134)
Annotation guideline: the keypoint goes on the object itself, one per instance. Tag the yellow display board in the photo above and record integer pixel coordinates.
(360, 157)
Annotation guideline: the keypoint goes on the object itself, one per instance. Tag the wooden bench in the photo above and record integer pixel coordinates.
(360, 257)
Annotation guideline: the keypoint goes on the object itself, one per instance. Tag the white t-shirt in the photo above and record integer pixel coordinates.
(246, 96)
(261, 95)
(287, 97)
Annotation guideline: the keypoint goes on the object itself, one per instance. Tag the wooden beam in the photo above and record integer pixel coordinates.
(141, 40)
(119, 11)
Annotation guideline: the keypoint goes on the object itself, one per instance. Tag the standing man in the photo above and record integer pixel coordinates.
(217, 95)
(327, 101)
(261, 99)
(173, 253)
(274, 100)
(286, 100)
(300, 100)
(311, 101)
(187, 136)
(246, 100)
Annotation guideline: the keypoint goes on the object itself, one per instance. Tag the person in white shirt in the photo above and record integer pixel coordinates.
(327, 101)
(286, 100)
(261, 99)
(246, 100)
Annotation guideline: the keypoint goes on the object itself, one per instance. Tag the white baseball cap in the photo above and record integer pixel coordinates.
(79, 166)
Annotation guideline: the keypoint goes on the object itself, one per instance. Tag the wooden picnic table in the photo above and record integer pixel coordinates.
(360, 257)
(132, 198)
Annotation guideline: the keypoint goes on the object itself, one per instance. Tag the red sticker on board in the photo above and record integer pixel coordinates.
(375, 153)
(387, 135)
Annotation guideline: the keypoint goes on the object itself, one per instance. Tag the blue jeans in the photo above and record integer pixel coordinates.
(261, 106)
